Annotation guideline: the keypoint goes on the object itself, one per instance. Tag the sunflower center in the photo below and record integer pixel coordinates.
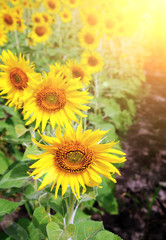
(37, 19)
(51, 4)
(40, 30)
(51, 100)
(92, 20)
(109, 24)
(65, 15)
(18, 78)
(8, 19)
(73, 157)
(72, 1)
(77, 72)
(121, 29)
(92, 61)
(89, 38)
(45, 18)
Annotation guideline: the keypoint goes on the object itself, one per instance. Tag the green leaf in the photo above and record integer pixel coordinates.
(41, 219)
(53, 231)
(31, 193)
(81, 216)
(17, 232)
(67, 232)
(31, 149)
(106, 235)
(7, 207)
(105, 197)
(5, 162)
(34, 233)
(16, 177)
(58, 205)
(87, 230)
(2, 114)
(58, 218)
(20, 130)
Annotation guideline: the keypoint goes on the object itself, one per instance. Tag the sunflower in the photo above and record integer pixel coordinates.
(109, 24)
(40, 33)
(20, 24)
(37, 18)
(56, 99)
(72, 3)
(53, 20)
(52, 6)
(16, 77)
(75, 159)
(66, 15)
(18, 10)
(90, 18)
(8, 20)
(79, 70)
(3, 36)
(46, 17)
(55, 69)
(93, 61)
(88, 39)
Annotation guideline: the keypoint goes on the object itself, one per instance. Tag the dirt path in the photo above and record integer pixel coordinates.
(144, 172)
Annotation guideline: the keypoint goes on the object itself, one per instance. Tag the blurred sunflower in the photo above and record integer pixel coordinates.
(3, 36)
(40, 33)
(90, 18)
(16, 77)
(18, 10)
(93, 61)
(55, 69)
(37, 18)
(20, 24)
(52, 6)
(8, 19)
(24, 3)
(53, 20)
(75, 159)
(109, 24)
(56, 99)
(79, 70)
(72, 3)
(46, 17)
(88, 39)
(66, 15)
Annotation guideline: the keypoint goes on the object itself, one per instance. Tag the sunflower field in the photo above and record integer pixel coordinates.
(72, 76)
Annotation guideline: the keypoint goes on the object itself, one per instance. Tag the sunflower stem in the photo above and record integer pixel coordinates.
(72, 212)
(96, 92)
(17, 41)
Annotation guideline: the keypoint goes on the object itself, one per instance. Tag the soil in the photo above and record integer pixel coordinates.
(144, 174)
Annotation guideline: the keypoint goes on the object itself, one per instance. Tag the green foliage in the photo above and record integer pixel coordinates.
(58, 205)
(7, 207)
(40, 219)
(87, 230)
(55, 232)
(103, 235)
(106, 197)
(16, 177)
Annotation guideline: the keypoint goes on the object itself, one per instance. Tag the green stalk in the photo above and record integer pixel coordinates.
(71, 212)
(17, 41)
(96, 92)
